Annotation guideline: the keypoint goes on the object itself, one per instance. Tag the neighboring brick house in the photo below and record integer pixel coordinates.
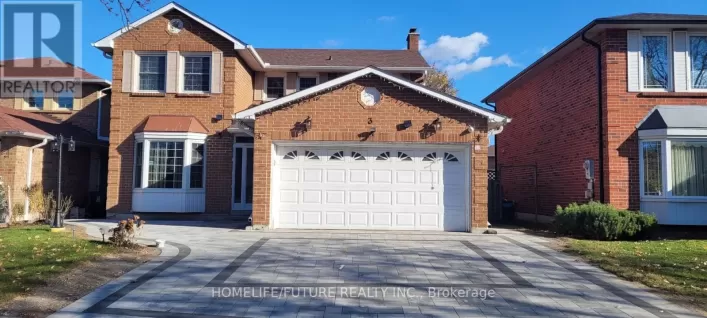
(202, 123)
(649, 65)
(30, 122)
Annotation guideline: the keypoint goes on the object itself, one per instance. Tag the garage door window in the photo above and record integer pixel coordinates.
(292, 155)
(450, 157)
(383, 156)
(337, 156)
(357, 156)
(311, 155)
(430, 157)
(403, 156)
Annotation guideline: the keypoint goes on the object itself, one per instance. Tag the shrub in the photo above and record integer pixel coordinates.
(602, 222)
(4, 207)
(124, 235)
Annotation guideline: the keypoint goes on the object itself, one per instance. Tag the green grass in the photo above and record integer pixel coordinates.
(30, 255)
(676, 266)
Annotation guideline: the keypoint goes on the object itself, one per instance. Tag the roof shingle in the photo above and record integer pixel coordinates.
(338, 57)
(42, 67)
(17, 122)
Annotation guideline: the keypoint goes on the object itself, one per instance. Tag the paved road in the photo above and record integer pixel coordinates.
(220, 272)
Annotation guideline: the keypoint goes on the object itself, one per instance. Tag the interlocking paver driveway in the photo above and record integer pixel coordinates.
(220, 272)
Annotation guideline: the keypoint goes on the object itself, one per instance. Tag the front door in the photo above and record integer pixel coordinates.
(242, 174)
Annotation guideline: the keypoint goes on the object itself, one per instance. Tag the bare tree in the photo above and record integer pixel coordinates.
(123, 8)
(439, 80)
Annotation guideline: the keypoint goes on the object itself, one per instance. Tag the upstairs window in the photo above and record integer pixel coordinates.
(698, 61)
(306, 82)
(655, 54)
(152, 73)
(36, 100)
(197, 73)
(274, 87)
(65, 100)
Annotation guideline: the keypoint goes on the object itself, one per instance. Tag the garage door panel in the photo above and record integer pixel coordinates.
(358, 218)
(289, 196)
(358, 176)
(382, 176)
(335, 218)
(336, 175)
(311, 196)
(312, 175)
(335, 197)
(358, 197)
(379, 188)
(382, 197)
(382, 219)
(311, 218)
(289, 175)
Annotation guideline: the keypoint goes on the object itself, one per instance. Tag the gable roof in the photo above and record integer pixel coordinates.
(634, 20)
(349, 58)
(18, 123)
(666, 116)
(106, 43)
(493, 117)
(44, 68)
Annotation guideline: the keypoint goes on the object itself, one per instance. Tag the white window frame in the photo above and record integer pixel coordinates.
(670, 52)
(666, 137)
(188, 139)
(182, 74)
(265, 85)
(136, 71)
(689, 62)
(65, 94)
(25, 101)
(301, 76)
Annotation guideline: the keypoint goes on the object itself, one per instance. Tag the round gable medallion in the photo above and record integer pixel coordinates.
(175, 26)
(370, 96)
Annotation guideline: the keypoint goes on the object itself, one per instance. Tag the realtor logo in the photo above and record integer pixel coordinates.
(33, 29)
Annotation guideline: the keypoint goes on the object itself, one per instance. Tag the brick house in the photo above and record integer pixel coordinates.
(30, 120)
(615, 113)
(206, 125)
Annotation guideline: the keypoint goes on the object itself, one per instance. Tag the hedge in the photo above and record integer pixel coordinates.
(602, 222)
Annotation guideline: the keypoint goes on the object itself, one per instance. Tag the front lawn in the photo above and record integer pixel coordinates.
(676, 266)
(30, 255)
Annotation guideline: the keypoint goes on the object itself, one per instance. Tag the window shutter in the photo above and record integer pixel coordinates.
(128, 73)
(216, 72)
(633, 54)
(258, 83)
(290, 83)
(680, 61)
(172, 72)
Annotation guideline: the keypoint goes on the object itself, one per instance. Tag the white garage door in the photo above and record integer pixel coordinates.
(330, 187)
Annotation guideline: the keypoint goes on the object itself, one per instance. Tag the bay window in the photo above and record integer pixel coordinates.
(169, 172)
(673, 168)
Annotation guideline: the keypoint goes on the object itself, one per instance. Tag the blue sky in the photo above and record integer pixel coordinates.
(484, 43)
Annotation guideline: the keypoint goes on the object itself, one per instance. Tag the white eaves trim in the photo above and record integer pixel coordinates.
(252, 112)
(107, 42)
(29, 135)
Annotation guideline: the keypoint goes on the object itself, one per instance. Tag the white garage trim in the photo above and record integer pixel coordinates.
(448, 201)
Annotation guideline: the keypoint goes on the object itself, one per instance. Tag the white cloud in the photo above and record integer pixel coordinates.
(459, 55)
(386, 18)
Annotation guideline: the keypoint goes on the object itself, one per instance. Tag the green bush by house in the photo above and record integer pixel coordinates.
(602, 222)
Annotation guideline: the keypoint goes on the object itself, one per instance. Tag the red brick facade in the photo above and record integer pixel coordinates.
(338, 116)
(554, 127)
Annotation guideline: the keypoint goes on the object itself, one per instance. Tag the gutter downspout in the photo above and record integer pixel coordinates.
(495, 156)
(29, 172)
(600, 112)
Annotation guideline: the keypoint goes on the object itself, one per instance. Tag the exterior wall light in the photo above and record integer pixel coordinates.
(307, 123)
(437, 125)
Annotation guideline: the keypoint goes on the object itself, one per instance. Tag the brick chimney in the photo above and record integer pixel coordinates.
(413, 40)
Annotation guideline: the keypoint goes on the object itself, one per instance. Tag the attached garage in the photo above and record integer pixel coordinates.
(369, 150)
(382, 186)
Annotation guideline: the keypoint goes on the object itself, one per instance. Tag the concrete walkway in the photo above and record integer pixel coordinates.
(209, 269)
